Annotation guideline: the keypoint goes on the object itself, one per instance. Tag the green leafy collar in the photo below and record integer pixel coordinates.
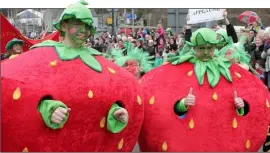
(218, 65)
(66, 53)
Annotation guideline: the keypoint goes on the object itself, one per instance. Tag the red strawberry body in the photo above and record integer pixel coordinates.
(207, 126)
(89, 94)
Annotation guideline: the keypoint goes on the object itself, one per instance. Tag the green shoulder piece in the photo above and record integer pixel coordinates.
(90, 60)
(47, 43)
(65, 53)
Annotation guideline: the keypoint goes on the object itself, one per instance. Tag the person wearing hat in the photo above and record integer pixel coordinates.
(72, 28)
(203, 99)
(68, 82)
(133, 59)
(13, 48)
(204, 45)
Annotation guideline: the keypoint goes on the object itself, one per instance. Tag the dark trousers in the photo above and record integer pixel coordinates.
(266, 145)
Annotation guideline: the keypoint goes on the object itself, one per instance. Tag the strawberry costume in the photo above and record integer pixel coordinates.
(215, 122)
(54, 76)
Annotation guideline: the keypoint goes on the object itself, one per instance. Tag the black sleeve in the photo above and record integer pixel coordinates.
(188, 35)
(266, 146)
(231, 32)
(252, 46)
(152, 51)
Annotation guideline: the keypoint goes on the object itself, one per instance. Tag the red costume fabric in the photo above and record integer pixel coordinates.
(8, 32)
(213, 123)
(40, 73)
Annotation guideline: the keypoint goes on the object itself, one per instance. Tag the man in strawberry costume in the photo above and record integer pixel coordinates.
(202, 102)
(66, 97)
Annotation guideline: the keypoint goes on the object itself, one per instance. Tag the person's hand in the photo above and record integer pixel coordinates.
(258, 19)
(187, 19)
(190, 99)
(59, 114)
(238, 102)
(121, 115)
(225, 14)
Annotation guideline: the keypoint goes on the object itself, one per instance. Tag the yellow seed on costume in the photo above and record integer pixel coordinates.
(215, 97)
(152, 100)
(191, 124)
(139, 100)
(120, 144)
(111, 70)
(237, 75)
(267, 103)
(102, 122)
(248, 144)
(25, 149)
(190, 73)
(61, 126)
(17, 94)
(53, 64)
(90, 94)
(234, 124)
(164, 146)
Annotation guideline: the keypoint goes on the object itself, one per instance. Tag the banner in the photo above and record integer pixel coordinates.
(204, 15)
(8, 32)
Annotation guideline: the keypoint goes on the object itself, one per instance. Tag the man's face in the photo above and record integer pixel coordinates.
(78, 31)
(147, 37)
(257, 66)
(251, 34)
(138, 43)
(133, 67)
(101, 41)
(171, 41)
(205, 52)
(17, 49)
(254, 24)
(258, 42)
(157, 35)
(120, 43)
(150, 43)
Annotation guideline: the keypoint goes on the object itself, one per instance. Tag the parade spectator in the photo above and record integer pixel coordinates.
(173, 46)
(256, 54)
(151, 48)
(13, 48)
(160, 30)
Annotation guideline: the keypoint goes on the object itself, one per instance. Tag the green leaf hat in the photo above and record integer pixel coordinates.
(13, 42)
(214, 68)
(121, 56)
(77, 11)
(222, 37)
(237, 53)
(204, 36)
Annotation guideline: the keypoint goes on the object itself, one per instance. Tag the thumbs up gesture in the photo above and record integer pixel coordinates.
(238, 102)
(190, 99)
